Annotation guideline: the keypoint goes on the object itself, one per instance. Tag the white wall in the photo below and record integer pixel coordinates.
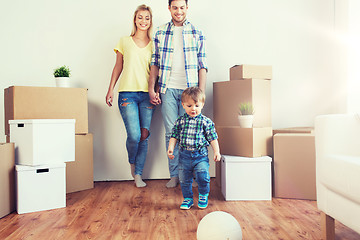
(296, 37)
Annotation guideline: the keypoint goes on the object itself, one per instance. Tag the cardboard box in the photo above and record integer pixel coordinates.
(246, 178)
(229, 94)
(245, 142)
(7, 178)
(47, 103)
(43, 141)
(246, 71)
(294, 166)
(80, 174)
(40, 188)
(294, 130)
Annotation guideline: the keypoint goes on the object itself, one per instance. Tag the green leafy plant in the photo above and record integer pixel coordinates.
(246, 108)
(62, 71)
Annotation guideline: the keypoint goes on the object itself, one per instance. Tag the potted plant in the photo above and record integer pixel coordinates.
(246, 115)
(62, 76)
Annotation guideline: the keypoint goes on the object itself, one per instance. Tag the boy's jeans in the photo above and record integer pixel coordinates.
(196, 162)
(171, 109)
(136, 111)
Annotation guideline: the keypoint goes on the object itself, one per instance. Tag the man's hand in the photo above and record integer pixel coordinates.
(154, 98)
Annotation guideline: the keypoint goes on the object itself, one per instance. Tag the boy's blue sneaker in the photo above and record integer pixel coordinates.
(203, 201)
(187, 203)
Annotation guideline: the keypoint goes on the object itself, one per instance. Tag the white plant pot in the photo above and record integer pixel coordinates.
(62, 82)
(246, 121)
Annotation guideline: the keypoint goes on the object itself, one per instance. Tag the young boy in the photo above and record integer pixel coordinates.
(194, 132)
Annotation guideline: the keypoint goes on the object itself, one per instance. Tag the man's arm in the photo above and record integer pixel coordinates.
(202, 79)
(202, 61)
(154, 95)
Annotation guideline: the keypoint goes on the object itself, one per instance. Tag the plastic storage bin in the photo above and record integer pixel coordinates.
(244, 178)
(43, 141)
(40, 188)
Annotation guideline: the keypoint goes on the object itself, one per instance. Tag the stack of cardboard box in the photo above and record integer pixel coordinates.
(248, 83)
(23, 102)
(42, 146)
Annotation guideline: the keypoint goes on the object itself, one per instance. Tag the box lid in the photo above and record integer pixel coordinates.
(41, 121)
(234, 159)
(22, 168)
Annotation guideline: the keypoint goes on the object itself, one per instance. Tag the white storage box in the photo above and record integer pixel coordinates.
(244, 178)
(40, 188)
(43, 141)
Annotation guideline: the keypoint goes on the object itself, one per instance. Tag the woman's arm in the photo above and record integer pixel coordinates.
(114, 78)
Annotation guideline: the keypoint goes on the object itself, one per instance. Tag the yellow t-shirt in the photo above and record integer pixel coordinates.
(136, 65)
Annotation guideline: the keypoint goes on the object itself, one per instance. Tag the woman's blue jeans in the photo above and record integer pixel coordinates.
(171, 109)
(136, 111)
(194, 163)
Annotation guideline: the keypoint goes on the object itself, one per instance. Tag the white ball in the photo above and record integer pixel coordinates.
(219, 225)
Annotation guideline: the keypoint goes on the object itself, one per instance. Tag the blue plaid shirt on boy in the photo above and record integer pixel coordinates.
(194, 133)
(194, 53)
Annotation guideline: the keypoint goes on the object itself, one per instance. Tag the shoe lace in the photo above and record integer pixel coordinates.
(187, 201)
(202, 198)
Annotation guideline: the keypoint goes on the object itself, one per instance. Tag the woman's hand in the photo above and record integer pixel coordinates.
(154, 98)
(109, 97)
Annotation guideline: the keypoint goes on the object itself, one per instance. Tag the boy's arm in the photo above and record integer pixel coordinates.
(215, 146)
(170, 152)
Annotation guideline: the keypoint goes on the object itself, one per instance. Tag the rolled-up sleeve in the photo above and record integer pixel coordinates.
(155, 56)
(202, 58)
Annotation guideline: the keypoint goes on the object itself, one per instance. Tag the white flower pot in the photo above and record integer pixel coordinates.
(62, 82)
(246, 121)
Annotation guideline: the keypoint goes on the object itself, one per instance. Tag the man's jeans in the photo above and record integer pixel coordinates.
(171, 109)
(194, 163)
(136, 111)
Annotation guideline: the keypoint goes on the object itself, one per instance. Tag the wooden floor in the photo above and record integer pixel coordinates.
(119, 210)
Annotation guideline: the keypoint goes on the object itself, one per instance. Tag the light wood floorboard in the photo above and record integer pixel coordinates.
(119, 210)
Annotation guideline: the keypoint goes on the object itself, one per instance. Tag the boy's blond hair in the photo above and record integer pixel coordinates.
(195, 93)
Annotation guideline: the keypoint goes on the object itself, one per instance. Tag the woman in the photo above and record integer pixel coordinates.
(133, 56)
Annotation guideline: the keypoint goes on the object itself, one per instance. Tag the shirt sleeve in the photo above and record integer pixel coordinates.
(120, 46)
(209, 131)
(155, 56)
(202, 59)
(176, 129)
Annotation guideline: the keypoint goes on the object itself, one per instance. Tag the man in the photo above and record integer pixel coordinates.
(178, 61)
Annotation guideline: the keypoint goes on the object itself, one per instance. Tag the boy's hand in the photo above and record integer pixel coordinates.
(170, 154)
(217, 156)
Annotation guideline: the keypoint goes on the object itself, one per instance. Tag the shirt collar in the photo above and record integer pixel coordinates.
(187, 116)
(186, 22)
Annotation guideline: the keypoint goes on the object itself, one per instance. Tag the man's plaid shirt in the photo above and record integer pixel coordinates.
(194, 53)
(194, 133)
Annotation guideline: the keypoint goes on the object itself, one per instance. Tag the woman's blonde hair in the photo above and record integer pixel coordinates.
(142, 7)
